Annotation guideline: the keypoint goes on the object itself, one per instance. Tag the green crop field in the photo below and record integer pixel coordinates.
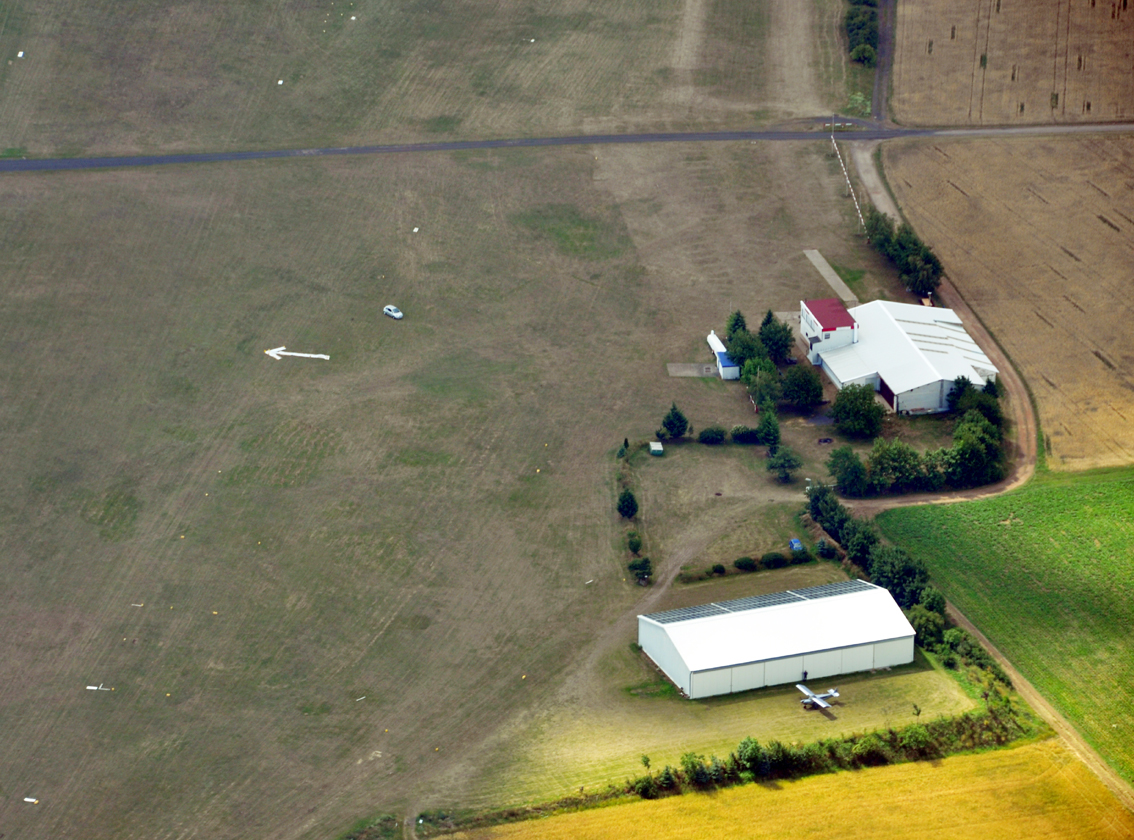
(1046, 573)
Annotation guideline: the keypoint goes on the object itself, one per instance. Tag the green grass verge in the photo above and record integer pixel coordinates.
(1045, 573)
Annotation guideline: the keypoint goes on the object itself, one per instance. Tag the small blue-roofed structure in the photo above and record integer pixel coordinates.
(727, 368)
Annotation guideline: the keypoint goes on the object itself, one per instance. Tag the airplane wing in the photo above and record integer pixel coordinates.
(805, 689)
(822, 704)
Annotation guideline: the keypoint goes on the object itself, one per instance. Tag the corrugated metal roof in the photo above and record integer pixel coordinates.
(909, 346)
(726, 360)
(783, 624)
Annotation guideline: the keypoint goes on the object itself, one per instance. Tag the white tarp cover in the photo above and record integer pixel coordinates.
(772, 632)
(909, 346)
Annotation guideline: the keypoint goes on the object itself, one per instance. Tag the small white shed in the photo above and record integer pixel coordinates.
(727, 368)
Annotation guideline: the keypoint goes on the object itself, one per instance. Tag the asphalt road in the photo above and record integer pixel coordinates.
(862, 130)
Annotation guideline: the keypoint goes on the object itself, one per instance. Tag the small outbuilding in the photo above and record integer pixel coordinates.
(731, 646)
(727, 368)
(656, 448)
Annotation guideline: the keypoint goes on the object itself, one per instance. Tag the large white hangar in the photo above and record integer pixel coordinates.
(732, 646)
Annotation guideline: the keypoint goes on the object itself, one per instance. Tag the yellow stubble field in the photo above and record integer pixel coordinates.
(988, 62)
(1038, 235)
(1036, 791)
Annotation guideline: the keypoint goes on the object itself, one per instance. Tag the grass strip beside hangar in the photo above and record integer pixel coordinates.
(1044, 572)
(1038, 790)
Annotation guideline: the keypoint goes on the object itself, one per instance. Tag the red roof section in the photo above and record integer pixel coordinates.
(830, 313)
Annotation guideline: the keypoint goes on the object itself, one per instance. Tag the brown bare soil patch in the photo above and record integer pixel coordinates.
(990, 62)
(1035, 235)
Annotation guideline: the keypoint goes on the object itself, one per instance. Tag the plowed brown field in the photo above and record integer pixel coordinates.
(1038, 236)
(989, 62)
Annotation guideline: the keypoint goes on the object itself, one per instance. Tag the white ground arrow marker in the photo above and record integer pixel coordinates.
(279, 352)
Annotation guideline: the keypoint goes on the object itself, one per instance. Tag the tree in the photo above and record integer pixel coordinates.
(743, 346)
(634, 542)
(928, 626)
(768, 429)
(985, 403)
(784, 462)
(933, 600)
(762, 380)
(879, 230)
(642, 569)
(675, 423)
(921, 271)
(895, 570)
(865, 55)
(895, 467)
(975, 457)
(736, 324)
(859, 538)
(802, 387)
(627, 504)
(777, 338)
(856, 412)
(961, 386)
(849, 472)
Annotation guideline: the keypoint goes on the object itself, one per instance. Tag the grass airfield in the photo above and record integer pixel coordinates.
(356, 577)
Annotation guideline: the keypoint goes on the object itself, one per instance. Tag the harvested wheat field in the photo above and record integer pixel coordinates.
(1036, 791)
(990, 62)
(1038, 235)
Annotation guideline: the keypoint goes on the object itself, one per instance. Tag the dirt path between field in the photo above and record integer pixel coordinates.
(1074, 741)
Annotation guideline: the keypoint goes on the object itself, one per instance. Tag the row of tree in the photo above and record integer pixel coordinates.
(975, 458)
(861, 24)
(918, 267)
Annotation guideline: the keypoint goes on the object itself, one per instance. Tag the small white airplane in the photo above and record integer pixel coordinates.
(813, 700)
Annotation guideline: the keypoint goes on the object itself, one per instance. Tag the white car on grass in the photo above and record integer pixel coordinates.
(393, 312)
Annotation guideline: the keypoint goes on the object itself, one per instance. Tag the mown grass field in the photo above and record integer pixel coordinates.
(1045, 573)
(412, 522)
(205, 75)
(1037, 235)
(960, 62)
(1039, 790)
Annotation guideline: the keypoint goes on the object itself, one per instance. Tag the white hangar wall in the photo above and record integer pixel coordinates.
(733, 646)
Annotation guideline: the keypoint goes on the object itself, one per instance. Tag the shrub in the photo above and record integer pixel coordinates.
(667, 780)
(694, 770)
(869, 750)
(904, 576)
(773, 560)
(776, 336)
(712, 436)
(825, 550)
(645, 786)
(801, 555)
(746, 564)
(743, 434)
(627, 504)
(750, 755)
(718, 569)
(634, 542)
(915, 740)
